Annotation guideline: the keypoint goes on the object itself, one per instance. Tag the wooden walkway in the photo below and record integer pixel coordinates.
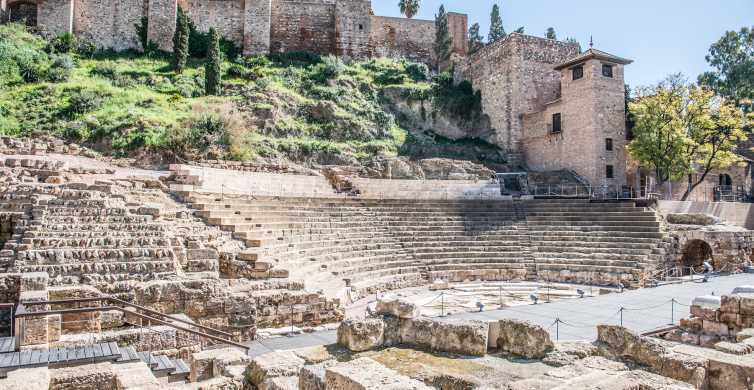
(60, 356)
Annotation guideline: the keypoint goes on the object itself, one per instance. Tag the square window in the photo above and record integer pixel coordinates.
(556, 125)
(607, 70)
(608, 144)
(609, 173)
(578, 72)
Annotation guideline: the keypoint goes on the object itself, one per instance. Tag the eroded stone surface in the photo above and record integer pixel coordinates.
(361, 335)
(524, 339)
(366, 374)
(273, 365)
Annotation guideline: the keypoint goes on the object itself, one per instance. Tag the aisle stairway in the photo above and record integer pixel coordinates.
(393, 243)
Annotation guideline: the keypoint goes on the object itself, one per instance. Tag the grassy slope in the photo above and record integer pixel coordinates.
(297, 105)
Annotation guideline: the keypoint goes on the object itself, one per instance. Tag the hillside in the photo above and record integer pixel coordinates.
(297, 106)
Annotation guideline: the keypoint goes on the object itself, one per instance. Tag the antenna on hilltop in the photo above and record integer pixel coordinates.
(591, 42)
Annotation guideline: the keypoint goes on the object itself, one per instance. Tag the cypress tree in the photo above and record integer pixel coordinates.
(181, 41)
(497, 31)
(475, 39)
(443, 41)
(550, 34)
(212, 66)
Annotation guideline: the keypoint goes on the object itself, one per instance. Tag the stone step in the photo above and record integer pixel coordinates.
(61, 256)
(100, 269)
(575, 224)
(373, 285)
(433, 257)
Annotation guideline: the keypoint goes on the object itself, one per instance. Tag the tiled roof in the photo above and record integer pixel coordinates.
(594, 53)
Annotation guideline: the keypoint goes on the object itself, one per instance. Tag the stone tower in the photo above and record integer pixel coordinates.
(353, 23)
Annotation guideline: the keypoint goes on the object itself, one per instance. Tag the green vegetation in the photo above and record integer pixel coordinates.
(476, 42)
(213, 66)
(409, 7)
(181, 41)
(301, 106)
(443, 41)
(497, 31)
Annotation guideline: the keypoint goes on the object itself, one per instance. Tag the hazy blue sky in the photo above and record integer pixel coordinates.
(661, 36)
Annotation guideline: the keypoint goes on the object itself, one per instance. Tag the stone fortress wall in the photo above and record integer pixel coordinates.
(346, 28)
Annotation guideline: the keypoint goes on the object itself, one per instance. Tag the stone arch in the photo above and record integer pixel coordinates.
(695, 252)
(23, 11)
(725, 180)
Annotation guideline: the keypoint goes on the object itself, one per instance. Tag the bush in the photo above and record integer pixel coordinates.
(199, 43)
(238, 71)
(331, 67)
(417, 71)
(105, 69)
(61, 69)
(64, 43)
(83, 101)
(188, 86)
(86, 49)
(296, 58)
(459, 100)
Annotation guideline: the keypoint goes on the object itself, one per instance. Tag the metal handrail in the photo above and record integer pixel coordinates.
(122, 302)
(22, 313)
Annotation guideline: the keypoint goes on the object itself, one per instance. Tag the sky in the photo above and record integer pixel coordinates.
(661, 36)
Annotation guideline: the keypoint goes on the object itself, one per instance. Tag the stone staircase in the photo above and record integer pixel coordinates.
(377, 244)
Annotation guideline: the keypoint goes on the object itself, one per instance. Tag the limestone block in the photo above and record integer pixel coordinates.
(361, 335)
(747, 304)
(367, 374)
(713, 328)
(135, 375)
(524, 338)
(37, 378)
(397, 307)
(313, 377)
(704, 313)
(693, 324)
(100, 376)
(439, 284)
(707, 301)
(273, 365)
(745, 334)
(734, 348)
(280, 383)
(111, 319)
(447, 335)
(212, 363)
(730, 304)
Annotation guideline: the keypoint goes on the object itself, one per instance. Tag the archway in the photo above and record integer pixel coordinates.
(725, 180)
(695, 253)
(23, 11)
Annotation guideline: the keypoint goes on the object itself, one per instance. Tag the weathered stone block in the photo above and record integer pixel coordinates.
(367, 374)
(715, 328)
(273, 365)
(730, 304)
(747, 304)
(447, 335)
(524, 339)
(211, 363)
(397, 307)
(704, 313)
(361, 335)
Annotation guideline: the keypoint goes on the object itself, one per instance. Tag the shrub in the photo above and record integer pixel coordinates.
(417, 71)
(86, 49)
(32, 65)
(199, 44)
(459, 100)
(142, 31)
(61, 68)
(254, 61)
(239, 71)
(331, 67)
(296, 58)
(83, 101)
(212, 67)
(105, 69)
(64, 43)
(181, 41)
(188, 86)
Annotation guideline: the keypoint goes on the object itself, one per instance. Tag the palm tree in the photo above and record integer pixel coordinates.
(409, 7)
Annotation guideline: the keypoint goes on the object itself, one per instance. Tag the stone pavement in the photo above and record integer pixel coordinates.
(644, 310)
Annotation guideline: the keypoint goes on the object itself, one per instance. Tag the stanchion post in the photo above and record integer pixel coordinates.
(442, 304)
(557, 329)
(621, 315)
(672, 311)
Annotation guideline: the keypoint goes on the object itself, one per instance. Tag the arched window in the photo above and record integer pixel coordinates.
(23, 11)
(725, 180)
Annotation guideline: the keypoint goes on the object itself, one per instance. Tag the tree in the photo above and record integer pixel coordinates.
(683, 129)
(443, 42)
(732, 58)
(519, 30)
(409, 7)
(181, 41)
(550, 33)
(497, 31)
(212, 66)
(476, 41)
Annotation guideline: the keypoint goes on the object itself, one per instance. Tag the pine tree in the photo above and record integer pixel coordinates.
(212, 66)
(550, 34)
(409, 7)
(496, 25)
(181, 41)
(519, 30)
(443, 41)
(475, 39)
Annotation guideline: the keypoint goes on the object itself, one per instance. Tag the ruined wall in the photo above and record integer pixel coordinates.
(515, 76)
(108, 24)
(403, 38)
(226, 16)
(55, 16)
(303, 26)
(353, 24)
(458, 24)
(162, 15)
(591, 109)
(256, 28)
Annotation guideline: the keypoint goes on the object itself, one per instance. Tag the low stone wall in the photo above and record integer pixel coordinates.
(734, 213)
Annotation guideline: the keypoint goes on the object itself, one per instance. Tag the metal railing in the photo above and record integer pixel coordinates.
(141, 312)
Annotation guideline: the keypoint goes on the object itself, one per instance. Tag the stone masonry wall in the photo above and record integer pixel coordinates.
(353, 23)
(256, 28)
(515, 76)
(56, 16)
(108, 24)
(226, 16)
(303, 26)
(162, 15)
(403, 38)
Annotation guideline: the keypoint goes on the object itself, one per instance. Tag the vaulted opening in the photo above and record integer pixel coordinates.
(695, 253)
